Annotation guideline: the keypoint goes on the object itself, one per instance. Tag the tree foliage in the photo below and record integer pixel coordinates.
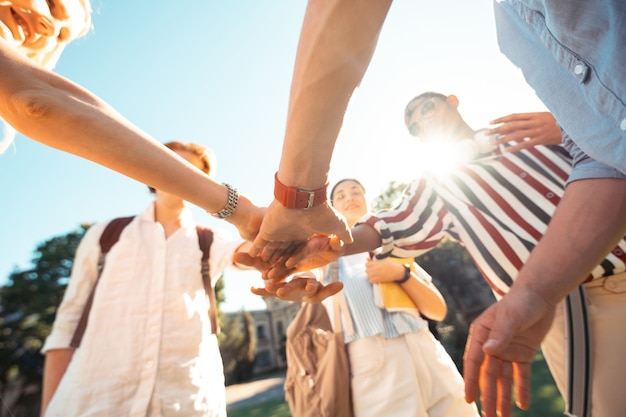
(28, 305)
(238, 347)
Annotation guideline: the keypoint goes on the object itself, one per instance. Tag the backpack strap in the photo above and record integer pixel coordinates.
(205, 239)
(109, 237)
(340, 306)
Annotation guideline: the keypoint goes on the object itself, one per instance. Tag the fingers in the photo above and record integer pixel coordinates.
(273, 252)
(324, 292)
(345, 235)
(257, 246)
(243, 258)
(521, 377)
(472, 361)
(495, 386)
(261, 292)
(278, 272)
(489, 373)
(504, 389)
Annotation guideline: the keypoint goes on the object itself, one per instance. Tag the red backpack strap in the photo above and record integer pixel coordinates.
(109, 237)
(205, 239)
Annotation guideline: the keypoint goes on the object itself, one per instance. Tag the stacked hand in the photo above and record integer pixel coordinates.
(284, 230)
(299, 288)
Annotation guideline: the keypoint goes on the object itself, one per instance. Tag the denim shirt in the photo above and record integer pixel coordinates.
(573, 53)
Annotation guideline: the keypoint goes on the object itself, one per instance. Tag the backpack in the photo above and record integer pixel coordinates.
(317, 382)
(110, 236)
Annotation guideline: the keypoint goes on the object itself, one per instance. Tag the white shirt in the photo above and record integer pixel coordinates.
(148, 348)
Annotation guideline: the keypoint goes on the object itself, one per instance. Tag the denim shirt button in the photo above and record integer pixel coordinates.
(622, 125)
(580, 72)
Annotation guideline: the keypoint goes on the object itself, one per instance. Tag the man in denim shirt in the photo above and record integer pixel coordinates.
(572, 53)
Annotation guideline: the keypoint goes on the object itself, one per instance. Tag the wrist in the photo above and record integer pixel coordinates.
(232, 200)
(406, 276)
(299, 198)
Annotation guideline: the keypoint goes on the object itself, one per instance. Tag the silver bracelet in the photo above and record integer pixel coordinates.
(231, 203)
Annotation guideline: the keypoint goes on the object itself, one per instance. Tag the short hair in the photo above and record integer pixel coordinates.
(411, 105)
(205, 154)
(332, 191)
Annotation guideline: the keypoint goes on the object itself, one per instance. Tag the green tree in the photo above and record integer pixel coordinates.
(28, 304)
(230, 340)
(247, 353)
(238, 347)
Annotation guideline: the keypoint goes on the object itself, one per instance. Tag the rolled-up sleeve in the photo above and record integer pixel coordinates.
(415, 226)
(585, 167)
(82, 280)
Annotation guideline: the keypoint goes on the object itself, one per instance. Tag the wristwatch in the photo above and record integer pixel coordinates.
(298, 198)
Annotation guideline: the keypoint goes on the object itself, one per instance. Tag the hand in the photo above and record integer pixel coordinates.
(383, 270)
(304, 289)
(317, 252)
(501, 346)
(247, 218)
(314, 253)
(283, 230)
(528, 129)
(279, 271)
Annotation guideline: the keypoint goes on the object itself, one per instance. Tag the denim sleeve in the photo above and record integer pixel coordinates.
(585, 167)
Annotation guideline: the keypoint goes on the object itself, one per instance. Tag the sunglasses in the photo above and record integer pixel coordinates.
(426, 110)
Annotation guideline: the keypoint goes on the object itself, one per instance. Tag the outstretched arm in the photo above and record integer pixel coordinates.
(586, 226)
(337, 42)
(56, 112)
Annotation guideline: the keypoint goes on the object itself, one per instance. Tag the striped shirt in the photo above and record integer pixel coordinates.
(367, 318)
(497, 207)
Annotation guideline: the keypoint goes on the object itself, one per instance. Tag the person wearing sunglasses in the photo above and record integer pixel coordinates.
(571, 54)
(498, 204)
(494, 203)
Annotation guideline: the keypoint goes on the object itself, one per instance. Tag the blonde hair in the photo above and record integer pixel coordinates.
(206, 156)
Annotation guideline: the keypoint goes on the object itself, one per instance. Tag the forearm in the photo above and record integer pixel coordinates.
(56, 112)
(366, 239)
(426, 297)
(588, 223)
(56, 363)
(337, 42)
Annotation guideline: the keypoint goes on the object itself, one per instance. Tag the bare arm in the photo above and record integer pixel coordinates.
(424, 294)
(56, 112)
(336, 45)
(587, 224)
(55, 365)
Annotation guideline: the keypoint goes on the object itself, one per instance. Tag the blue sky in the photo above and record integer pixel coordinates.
(218, 73)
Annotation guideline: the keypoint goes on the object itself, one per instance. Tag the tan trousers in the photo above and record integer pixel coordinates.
(607, 318)
(407, 376)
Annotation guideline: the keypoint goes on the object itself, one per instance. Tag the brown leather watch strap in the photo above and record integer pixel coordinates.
(297, 198)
